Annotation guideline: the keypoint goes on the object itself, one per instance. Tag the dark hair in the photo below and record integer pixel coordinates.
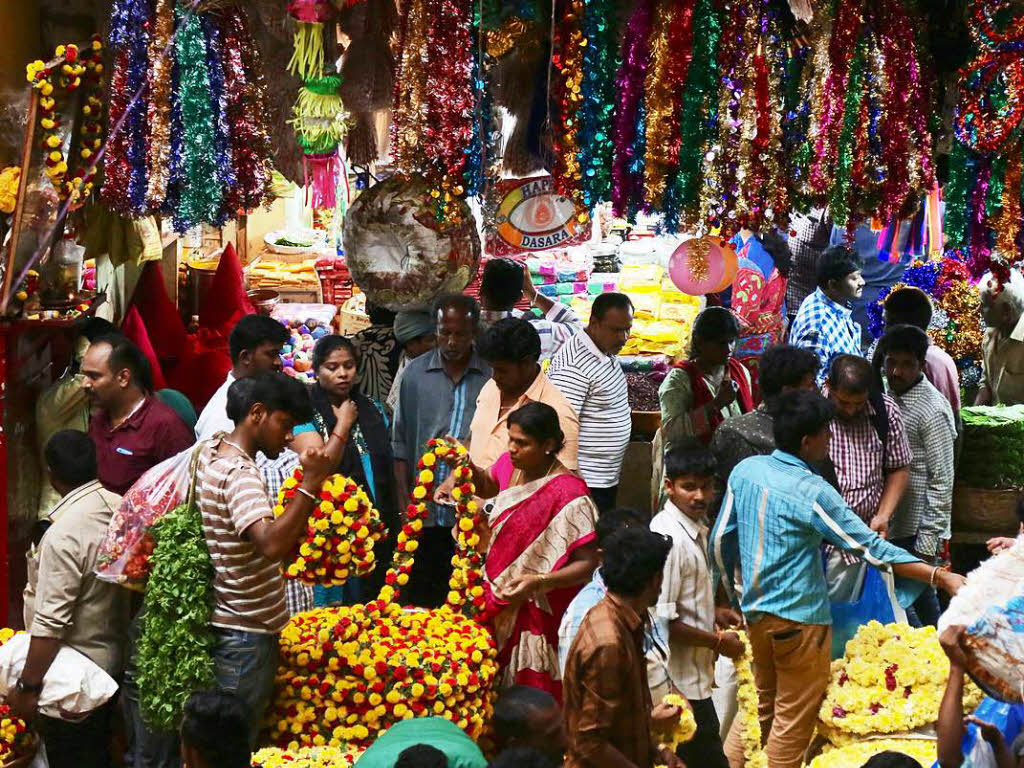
(514, 708)
(379, 314)
(715, 324)
(539, 421)
(124, 354)
(460, 302)
(797, 415)
(607, 301)
(783, 365)
(690, 459)
(216, 724)
(253, 331)
(277, 391)
(94, 327)
(909, 306)
(421, 756)
(501, 285)
(72, 457)
(325, 345)
(836, 263)
(890, 759)
(852, 374)
(777, 247)
(615, 519)
(511, 340)
(904, 338)
(632, 557)
(522, 756)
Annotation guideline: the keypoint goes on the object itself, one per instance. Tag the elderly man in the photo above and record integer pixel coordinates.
(1002, 307)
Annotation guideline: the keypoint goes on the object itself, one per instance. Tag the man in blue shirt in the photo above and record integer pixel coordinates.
(777, 513)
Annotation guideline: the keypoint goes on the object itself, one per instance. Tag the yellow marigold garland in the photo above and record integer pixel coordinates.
(70, 69)
(305, 757)
(852, 755)
(890, 680)
(746, 695)
(340, 534)
(15, 737)
(9, 181)
(687, 727)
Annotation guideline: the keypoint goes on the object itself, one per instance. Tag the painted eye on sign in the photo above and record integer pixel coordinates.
(533, 217)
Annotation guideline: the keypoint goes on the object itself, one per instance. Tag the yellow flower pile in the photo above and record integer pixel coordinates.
(890, 680)
(855, 755)
(9, 180)
(15, 737)
(340, 535)
(687, 727)
(305, 757)
(746, 695)
(348, 673)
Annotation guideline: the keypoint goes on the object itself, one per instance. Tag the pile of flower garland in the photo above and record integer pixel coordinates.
(906, 695)
(340, 534)
(195, 141)
(746, 695)
(305, 757)
(15, 736)
(922, 750)
(69, 70)
(348, 673)
(956, 324)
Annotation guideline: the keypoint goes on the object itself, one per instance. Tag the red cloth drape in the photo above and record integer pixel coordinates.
(135, 330)
(225, 301)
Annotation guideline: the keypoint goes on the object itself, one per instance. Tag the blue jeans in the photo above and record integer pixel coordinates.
(245, 664)
(925, 611)
(148, 748)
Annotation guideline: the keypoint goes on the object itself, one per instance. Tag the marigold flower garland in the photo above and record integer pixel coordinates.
(746, 694)
(10, 178)
(340, 534)
(348, 673)
(905, 696)
(71, 69)
(305, 757)
(686, 729)
(922, 750)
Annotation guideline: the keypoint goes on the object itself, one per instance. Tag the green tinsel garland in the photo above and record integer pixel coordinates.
(839, 203)
(201, 193)
(320, 120)
(699, 107)
(957, 194)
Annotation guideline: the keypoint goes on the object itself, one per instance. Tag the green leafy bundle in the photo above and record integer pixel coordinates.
(176, 641)
(993, 449)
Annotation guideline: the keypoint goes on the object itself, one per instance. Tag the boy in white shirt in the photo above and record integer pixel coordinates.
(687, 600)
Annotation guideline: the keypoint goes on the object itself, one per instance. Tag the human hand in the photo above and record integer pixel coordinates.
(443, 493)
(23, 704)
(880, 525)
(998, 544)
(951, 641)
(669, 759)
(522, 589)
(316, 467)
(731, 646)
(949, 582)
(989, 732)
(529, 289)
(726, 394)
(452, 458)
(346, 414)
(727, 617)
(665, 717)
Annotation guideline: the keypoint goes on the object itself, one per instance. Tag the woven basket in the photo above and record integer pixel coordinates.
(981, 510)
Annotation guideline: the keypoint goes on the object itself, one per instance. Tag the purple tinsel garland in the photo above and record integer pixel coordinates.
(629, 81)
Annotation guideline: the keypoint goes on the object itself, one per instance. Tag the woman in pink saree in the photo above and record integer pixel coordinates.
(541, 548)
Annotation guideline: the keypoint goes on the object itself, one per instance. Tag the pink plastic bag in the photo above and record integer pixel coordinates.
(124, 554)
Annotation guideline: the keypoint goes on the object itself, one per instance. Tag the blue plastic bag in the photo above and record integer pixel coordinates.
(1008, 718)
(877, 602)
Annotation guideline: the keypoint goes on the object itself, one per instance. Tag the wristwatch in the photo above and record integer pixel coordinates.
(23, 687)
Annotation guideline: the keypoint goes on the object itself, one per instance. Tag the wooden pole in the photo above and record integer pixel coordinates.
(242, 238)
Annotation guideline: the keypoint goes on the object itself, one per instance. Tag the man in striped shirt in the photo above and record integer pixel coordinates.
(589, 375)
(776, 514)
(246, 542)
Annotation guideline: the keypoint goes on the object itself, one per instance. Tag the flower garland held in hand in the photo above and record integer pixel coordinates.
(746, 694)
(466, 587)
(67, 72)
(686, 729)
(890, 680)
(340, 534)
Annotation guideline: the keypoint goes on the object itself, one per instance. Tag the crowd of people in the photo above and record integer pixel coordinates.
(776, 480)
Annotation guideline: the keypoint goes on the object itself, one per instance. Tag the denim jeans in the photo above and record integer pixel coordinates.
(245, 664)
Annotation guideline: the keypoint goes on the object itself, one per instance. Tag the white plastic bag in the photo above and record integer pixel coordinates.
(73, 686)
(991, 606)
